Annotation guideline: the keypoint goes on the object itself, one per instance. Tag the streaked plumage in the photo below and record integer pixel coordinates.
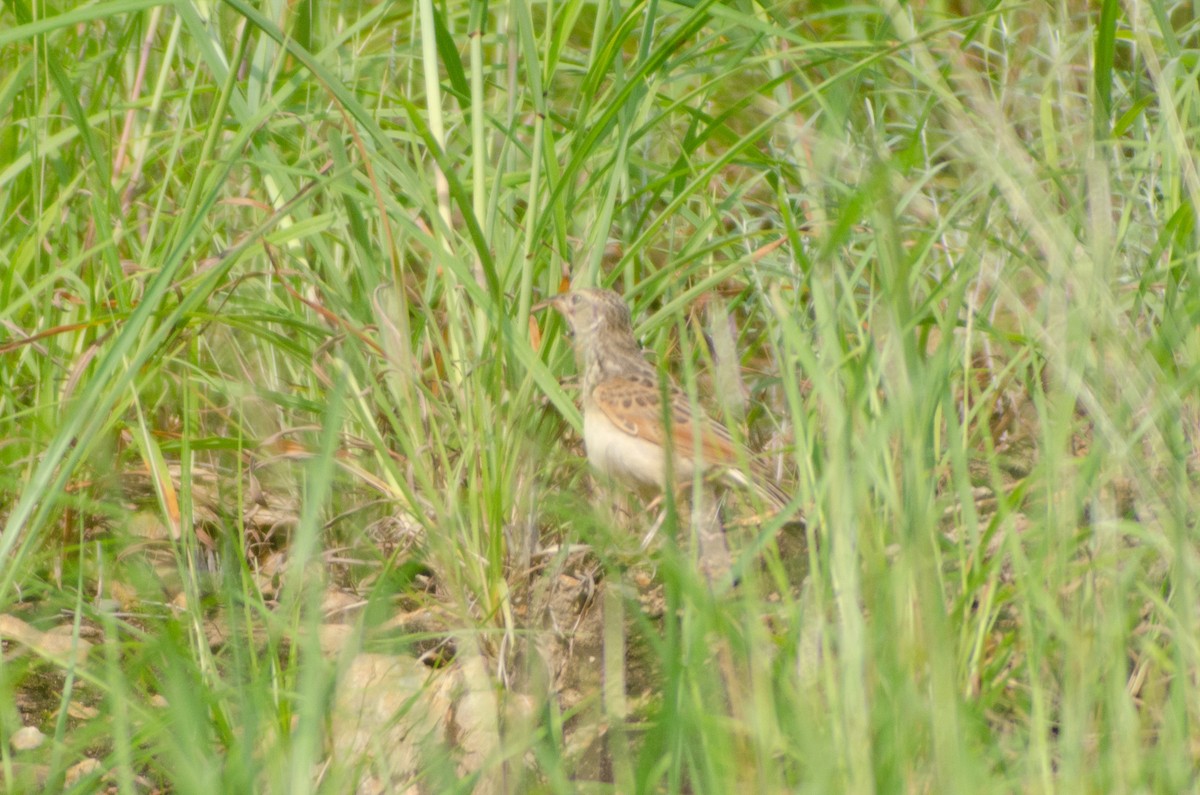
(625, 427)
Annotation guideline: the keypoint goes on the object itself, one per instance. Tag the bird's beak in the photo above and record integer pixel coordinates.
(559, 303)
(553, 301)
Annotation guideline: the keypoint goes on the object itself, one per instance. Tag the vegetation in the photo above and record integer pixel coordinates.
(284, 442)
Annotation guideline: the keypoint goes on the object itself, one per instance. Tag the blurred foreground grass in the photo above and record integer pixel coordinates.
(293, 499)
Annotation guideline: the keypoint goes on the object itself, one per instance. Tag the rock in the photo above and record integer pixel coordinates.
(26, 738)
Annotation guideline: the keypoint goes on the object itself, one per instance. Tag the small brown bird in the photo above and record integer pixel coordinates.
(625, 428)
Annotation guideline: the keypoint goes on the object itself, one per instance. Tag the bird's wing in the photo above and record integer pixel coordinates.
(635, 406)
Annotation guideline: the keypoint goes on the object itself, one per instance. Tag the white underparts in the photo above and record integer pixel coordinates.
(617, 455)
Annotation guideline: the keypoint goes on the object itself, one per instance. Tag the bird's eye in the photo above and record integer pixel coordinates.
(575, 299)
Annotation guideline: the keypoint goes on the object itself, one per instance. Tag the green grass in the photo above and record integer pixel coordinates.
(266, 279)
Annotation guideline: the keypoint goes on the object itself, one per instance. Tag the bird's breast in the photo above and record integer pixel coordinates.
(618, 455)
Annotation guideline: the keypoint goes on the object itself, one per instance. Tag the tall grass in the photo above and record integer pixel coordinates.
(266, 280)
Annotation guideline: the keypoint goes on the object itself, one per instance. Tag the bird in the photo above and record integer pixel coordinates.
(626, 429)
